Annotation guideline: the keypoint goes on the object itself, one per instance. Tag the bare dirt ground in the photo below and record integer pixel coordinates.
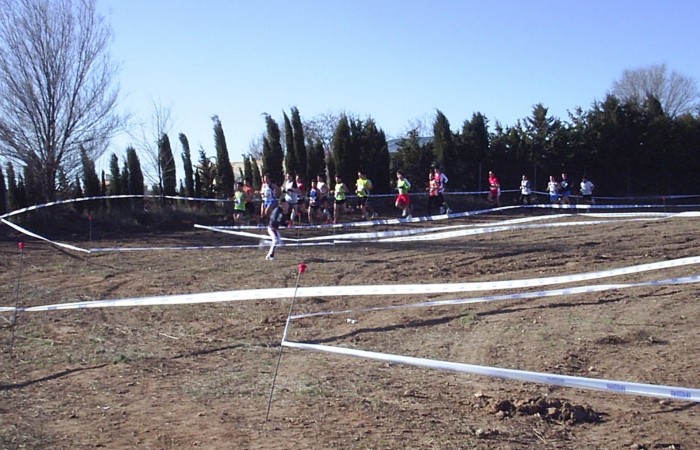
(199, 376)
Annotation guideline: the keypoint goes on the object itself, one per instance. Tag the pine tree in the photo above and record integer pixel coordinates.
(226, 179)
(187, 163)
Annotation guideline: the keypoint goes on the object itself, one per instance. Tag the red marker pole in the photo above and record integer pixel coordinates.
(301, 268)
(20, 245)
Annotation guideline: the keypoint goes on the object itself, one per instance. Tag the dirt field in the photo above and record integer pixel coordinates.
(199, 376)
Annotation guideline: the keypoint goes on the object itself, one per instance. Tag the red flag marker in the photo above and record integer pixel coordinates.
(302, 267)
(21, 246)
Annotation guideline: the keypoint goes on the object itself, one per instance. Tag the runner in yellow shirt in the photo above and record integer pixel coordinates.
(363, 186)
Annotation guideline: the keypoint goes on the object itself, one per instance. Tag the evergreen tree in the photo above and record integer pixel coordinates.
(375, 156)
(90, 180)
(115, 183)
(64, 189)
(207, 176)
(103, 183)
(134, 176)
(187, 163)
(290, 157)
(167, 166)
(257, 174)
(197, 184)
(22, 193)
(445, 151)
(345, 160)
(273, 155)
(226, 180)
(300, 151)
(316, 162)
(13, 196)
(78, 193)
(33, 183)
(414, 159)
(3, 194)
(124, 177)
(247, 168)
(473, 148)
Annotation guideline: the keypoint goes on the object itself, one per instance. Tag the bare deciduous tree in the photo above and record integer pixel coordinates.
(321, 128)
(148, 137)
(677, 93)
(57, 90)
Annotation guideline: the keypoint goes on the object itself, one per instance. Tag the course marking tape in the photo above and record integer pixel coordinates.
(34, 235)
(365, 290)
(519, 296)
(598, 384)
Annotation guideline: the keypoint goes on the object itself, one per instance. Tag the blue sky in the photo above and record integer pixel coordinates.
(395, 61)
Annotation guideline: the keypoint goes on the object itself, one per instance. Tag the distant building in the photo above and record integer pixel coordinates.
(394, 144)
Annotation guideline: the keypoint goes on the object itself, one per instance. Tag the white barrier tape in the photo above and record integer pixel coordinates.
(109, 197)
(598, 384)
(519, 296)
(362, 290)
(396, 236)
(34, 235)
(200, 247)
(264, 236)
(495, 229)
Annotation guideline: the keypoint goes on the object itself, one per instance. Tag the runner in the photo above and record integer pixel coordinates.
(403, 201)
(363, 187)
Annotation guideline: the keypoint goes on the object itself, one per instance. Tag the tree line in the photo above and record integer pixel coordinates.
(627, 147)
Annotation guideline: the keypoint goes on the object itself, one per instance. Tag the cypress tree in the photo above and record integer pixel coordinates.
(90, 180)
(103, 183)
(257, 174)
(207, 175)
(187, 163)
(316, 162)
(226, 179)
(345, 161)
(273, 155)
(445, 151)
(3, 194)
(124, 179)
(13, 196)
(134, 177)
(300, 151)
(290, 159)
(78, 193)
(115, 183)
(247, 168)
(167, 166)
(375, 156)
